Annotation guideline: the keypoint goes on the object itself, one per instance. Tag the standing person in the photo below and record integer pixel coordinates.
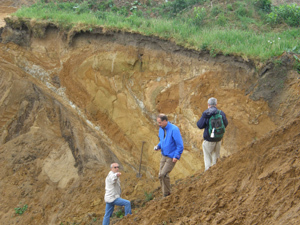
(171, 145)
(211, 145)
(113, 193)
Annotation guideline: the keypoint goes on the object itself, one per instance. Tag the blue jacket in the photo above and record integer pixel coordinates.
(172, 145)
(203, 122)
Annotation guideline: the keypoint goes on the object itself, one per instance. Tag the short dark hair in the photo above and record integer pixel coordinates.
(162, 117)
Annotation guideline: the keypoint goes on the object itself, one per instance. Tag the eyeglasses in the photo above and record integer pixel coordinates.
(116, 167)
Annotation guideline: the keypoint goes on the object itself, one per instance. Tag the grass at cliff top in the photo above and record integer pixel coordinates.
(229, 27)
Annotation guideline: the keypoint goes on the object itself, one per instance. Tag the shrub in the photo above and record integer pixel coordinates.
(123, 11)
(177, 6)
(297, 64)
(83, 8)
(119, 214)
(105, 5)
(149, 196)
(264, 5)
(199, 15)
(21, 210)
(272, 18)
(289, 14)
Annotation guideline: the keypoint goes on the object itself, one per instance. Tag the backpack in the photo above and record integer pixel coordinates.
(216, 128)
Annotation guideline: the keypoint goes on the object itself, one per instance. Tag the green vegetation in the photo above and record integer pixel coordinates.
(148, 196)
(297, 64)
(289, 14)
(253, 29)
(21, 210)
(119, 214)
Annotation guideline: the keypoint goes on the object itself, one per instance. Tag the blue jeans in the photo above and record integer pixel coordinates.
(110, 208)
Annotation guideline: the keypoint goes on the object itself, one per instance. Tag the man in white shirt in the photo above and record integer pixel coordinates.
(113, 193)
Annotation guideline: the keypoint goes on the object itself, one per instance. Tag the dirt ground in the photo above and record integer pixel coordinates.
(71, 106)
(258, 185)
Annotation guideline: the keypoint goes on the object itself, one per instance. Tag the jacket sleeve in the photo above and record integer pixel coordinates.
(202, 122)
(159, 144)
(225, 121)
(179, 143)
(112, 178)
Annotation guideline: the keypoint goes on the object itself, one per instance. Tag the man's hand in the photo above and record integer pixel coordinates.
(175, 160)
(118, 174)
(156, 148)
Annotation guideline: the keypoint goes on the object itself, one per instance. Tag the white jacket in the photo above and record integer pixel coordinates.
(112, 187)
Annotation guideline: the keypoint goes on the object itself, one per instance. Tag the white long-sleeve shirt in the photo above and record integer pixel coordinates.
(112, 187)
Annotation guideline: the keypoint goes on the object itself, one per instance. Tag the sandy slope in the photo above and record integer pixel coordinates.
(259, 185)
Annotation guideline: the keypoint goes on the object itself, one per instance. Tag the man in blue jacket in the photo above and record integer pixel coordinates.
(211, 146)
(171, 145)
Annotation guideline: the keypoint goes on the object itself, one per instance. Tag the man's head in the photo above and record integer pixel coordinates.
(162, 120)
(212, 102)
(114, 167)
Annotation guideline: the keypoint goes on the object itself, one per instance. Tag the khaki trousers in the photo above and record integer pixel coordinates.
(166, 166)
(211, 151)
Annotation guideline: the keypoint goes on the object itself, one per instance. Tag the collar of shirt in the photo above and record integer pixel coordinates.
(167, 127)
